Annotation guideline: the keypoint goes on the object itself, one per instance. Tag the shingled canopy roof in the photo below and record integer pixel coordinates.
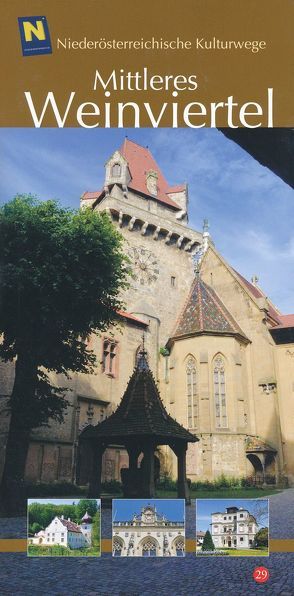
(140, 414)
(256, 444)
(204, 312)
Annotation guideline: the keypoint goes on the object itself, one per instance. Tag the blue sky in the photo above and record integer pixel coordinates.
(123, 510)
(205, 507)
(250, 209)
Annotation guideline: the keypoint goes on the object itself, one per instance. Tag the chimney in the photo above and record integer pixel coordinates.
(68, 519)
(62, 517)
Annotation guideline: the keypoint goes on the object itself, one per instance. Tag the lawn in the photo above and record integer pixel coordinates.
(234, 552)
(248, 552)
(221, 493)
(61, 551)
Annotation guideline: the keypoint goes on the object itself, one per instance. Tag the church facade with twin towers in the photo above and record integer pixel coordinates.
(221, 353)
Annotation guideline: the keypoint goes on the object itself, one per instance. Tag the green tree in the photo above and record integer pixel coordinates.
(261, 537)
(96, 531)
(207, 542)
(61, 272)
(35, 528)
(89, 505)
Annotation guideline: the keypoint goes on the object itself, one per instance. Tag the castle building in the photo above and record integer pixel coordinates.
(220, 351)
(148, 534)
(66, 533)
(235, 528)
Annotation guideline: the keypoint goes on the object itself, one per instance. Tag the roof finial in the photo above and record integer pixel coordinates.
(142, 362)
(202, 248)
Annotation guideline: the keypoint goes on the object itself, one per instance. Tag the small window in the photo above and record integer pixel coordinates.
(173, 281)
(109, 357)
(241, 539)
(241, 515)
(62, 539)
(116, 170)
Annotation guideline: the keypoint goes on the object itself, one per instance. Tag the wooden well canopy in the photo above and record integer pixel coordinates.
(140, 424)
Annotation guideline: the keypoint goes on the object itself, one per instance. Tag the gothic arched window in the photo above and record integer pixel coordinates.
(179, 546)
(219, 388)
(116, 170)
(192, 396)
(117, 546)
(150, 547)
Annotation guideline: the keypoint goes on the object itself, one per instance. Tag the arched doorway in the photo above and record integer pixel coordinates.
(178, 546)
(118, 546)
(149, 547)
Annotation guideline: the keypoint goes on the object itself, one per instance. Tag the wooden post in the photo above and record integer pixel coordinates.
(148, 480)
(183, 489)
(133, 453)
(95, 478)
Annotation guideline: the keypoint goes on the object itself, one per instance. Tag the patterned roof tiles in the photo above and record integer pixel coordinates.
(205, 312)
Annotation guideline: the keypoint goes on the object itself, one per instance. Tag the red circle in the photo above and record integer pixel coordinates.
(261, 574)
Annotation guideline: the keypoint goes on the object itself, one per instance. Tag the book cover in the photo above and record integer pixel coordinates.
(146, 297)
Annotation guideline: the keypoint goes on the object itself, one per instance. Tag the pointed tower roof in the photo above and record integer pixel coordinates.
(204, 312)
(141, 161)
(140, 414)
(86, 519)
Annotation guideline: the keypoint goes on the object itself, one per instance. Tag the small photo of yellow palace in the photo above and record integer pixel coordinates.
(157, 529)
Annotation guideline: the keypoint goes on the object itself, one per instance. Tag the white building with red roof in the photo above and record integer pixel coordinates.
(67, 533)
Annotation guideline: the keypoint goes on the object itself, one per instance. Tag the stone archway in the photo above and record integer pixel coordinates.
(117, 546)
(178, 546)
(256, 466)
(149, 547)
(264, 467)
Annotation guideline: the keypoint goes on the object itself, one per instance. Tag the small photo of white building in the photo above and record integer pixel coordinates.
(232, 527)
(154, 528)
(58, 534)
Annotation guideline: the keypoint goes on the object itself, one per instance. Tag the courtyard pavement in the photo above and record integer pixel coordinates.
(20, 575)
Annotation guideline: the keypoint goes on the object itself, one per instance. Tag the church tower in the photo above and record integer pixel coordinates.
(86, 527)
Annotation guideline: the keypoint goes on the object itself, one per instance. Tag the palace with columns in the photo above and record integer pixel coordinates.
(221, 353)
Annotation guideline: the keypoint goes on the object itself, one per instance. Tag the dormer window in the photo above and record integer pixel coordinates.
(151, 182)
(116, 170)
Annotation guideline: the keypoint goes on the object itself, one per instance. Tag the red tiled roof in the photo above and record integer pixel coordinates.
(178, 188)
(257, 293)
(91, 195)
(127, 315)
(140, 161)
(71, 526)
(285, 321)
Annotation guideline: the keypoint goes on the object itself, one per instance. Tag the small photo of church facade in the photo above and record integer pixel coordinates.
(153, 528)
(232, 527)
